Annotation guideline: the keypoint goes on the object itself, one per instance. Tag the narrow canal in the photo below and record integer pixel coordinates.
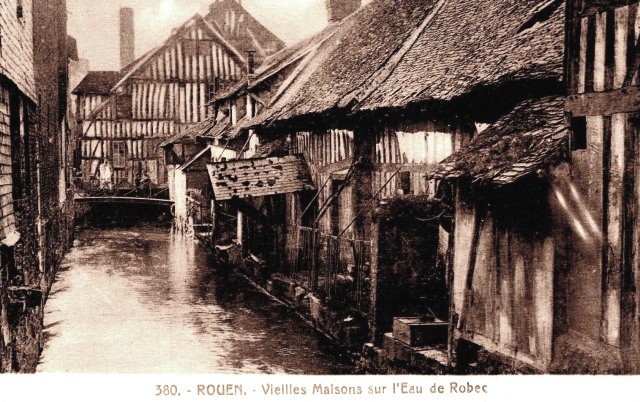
(146, 300)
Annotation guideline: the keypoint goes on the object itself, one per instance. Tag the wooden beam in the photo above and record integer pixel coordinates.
(624, 100)
(599, 6)
(335, 167)
(407, 167)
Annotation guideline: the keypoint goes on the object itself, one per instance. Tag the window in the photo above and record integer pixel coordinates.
(119, 154)
(579, 133)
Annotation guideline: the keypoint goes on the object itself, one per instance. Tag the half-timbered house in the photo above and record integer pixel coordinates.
(596, 320)
(544, 270)
(373, 104)
(166, 91)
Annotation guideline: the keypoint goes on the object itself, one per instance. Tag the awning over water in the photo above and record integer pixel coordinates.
(259, 177)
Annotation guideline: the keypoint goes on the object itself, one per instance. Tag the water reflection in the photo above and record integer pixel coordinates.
(147, 300)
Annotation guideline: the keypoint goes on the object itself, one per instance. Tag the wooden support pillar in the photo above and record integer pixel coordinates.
(214, 224)
(373, 294)
(240, 229)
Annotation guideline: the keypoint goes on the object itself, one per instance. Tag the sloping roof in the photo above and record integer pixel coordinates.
(218, 130)
(97, 83)
(242, 30)
(259, 177)
(207, 128)
(477, 44)
(131, 69)
(364, 43)
(233, 90)
(532, 136)
(392, 54)
(198, 161)
(276, 64)
(272, 148)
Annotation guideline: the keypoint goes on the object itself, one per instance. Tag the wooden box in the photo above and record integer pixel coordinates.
(413, 332)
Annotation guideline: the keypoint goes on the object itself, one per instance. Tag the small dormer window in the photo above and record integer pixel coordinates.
(20, 10)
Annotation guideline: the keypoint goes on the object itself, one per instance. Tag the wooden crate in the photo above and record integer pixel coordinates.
(413, 332)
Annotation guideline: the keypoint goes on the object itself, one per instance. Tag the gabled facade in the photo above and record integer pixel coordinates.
(158, 96)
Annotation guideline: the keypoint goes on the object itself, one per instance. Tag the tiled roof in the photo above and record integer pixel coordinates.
(97, 83)
(479, 43)
(259, 177)
(364, 43)
(392, 54)
(207, 128)
(531, 137)
(272, 148)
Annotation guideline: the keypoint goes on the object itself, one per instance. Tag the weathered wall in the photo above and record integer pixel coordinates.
(599, 327)
(16, 53)
(503, 271)
(34, 180)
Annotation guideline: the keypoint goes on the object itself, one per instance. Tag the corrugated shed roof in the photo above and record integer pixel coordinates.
(97, 83)
(259, 177)
(479, 43)
(532, 136)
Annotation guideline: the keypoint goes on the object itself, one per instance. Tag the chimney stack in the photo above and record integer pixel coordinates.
(339, 9)
(127, 37)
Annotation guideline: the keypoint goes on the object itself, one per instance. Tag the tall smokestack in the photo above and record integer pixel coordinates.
(339, 9)
(127, 37)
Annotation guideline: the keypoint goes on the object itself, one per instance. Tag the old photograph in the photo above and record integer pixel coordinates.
(320, 187)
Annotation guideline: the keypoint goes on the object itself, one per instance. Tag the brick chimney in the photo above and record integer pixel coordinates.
(127, 37)
(339, 9)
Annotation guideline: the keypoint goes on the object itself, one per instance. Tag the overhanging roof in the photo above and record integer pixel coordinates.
(529, 138)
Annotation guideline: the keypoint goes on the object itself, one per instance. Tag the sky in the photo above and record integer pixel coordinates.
(94, 23)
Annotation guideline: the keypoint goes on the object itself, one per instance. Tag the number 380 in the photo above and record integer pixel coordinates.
(166, 390)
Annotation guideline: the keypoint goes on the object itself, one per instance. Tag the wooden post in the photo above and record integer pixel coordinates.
(450, 271)
(214, 225)
(373, 291)
(240, 229)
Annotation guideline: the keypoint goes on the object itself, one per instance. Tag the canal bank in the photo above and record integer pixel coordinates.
(144, 299)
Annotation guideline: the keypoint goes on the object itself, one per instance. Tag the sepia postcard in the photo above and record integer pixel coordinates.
(319, 199)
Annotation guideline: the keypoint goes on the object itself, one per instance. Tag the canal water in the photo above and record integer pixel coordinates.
(146, 300)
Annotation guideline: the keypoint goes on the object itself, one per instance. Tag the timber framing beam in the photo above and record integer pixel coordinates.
(406, 167)
(625, 100)
(597, 6)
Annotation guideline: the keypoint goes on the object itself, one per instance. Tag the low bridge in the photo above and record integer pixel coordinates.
(148, 196)
(121, 200)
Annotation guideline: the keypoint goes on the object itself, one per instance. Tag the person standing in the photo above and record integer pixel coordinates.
(105, 172)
